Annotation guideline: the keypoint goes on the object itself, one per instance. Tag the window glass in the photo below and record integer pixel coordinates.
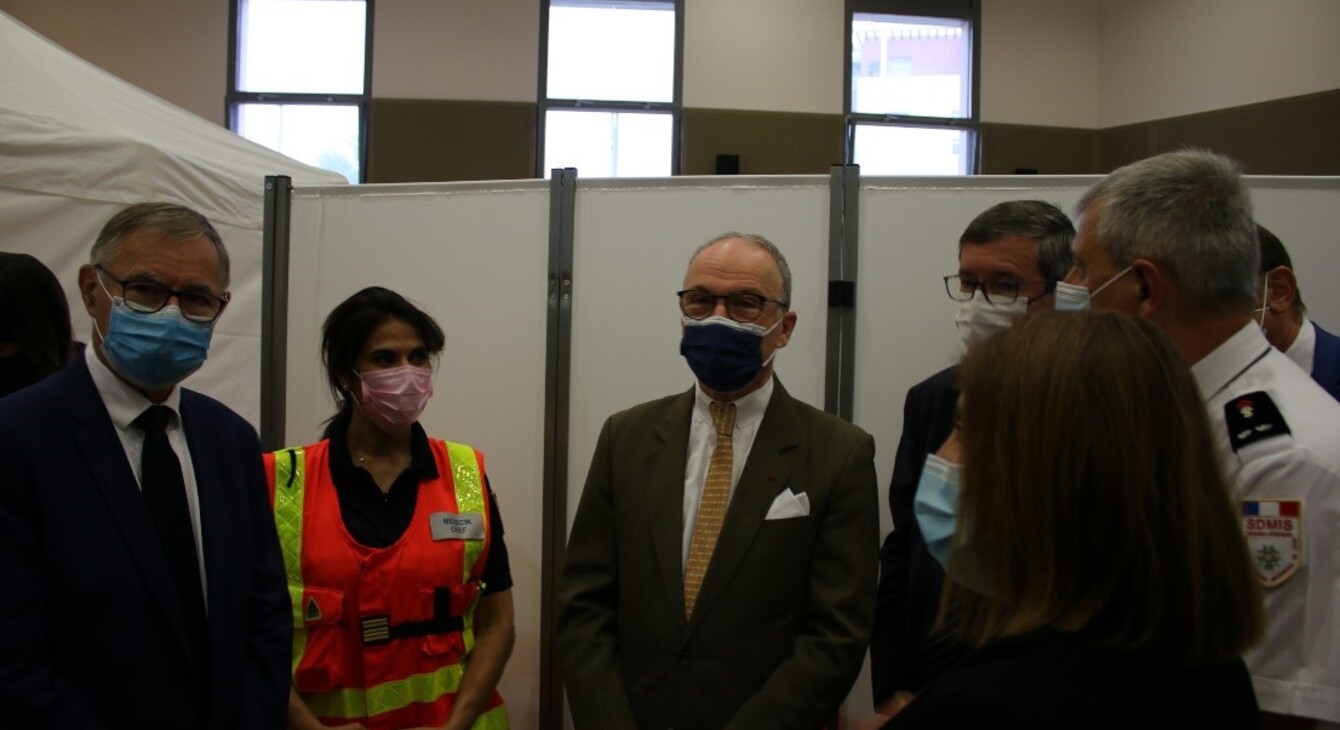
(301, 46)
(882, 149)
(609, 144)
(911, 66)
(611, 51)
(324, 135)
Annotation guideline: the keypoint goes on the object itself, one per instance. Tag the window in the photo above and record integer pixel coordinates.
(610, 87)
(299, 77)
(912, 87)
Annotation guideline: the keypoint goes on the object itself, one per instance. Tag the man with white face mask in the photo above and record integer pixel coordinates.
(144, 586)
(1010, 257)
(721, 566)
(1171, 239)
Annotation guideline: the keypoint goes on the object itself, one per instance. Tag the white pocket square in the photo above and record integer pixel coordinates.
(788, 505)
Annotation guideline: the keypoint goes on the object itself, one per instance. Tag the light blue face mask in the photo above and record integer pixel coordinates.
(153, 350)
(1075, 298)
(936, 506)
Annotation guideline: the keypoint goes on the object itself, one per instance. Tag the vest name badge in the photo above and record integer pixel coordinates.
(1274, 529)
(454, 526)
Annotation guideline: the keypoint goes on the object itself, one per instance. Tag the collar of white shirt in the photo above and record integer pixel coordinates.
(1219, 368)
(748, 409)
(124, 403)
(1304, 348)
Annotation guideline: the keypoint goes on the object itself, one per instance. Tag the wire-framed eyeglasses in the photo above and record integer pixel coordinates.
(741, 306)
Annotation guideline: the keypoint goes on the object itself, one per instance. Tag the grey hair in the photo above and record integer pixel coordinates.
(1189, 212)
(177, 222)
(1037, 220)
(764, 244)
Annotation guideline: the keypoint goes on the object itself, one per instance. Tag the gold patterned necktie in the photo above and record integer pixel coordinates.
(712, 505)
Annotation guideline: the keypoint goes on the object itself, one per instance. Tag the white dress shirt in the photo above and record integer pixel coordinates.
(1304, 348)
(703, 440)
(1296, 668)
(124, 404)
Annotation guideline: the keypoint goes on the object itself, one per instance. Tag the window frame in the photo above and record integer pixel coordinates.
(969, 10)
(235, 98)
(675, 107)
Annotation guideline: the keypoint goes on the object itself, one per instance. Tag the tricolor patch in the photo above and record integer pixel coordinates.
(1274, 530)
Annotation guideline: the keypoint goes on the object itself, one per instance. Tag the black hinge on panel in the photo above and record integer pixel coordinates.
(841, 293)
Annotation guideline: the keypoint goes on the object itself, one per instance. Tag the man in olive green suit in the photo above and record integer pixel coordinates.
(721, 567)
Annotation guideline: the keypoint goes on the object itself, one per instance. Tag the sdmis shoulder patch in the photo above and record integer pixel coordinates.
(1253, 417)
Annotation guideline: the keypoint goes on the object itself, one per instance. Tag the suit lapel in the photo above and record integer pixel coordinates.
(95, 437)
(665, 494)
(765, 475)
(1326, 358)
(211, 500)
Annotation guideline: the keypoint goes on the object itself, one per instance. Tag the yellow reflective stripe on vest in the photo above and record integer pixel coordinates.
(469, 486)
(290, 473)
(358, 703)
(495, 719)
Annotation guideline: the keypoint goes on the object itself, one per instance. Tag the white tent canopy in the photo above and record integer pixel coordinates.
(78, 144)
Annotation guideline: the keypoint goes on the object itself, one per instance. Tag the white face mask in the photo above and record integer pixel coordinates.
(1075, 298)
(978, 319)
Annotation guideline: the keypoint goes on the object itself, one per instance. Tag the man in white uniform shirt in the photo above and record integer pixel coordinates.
(1171, 239)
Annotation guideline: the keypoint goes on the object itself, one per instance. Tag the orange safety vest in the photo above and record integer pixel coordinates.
(382, 636)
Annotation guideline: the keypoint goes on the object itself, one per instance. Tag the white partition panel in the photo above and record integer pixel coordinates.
(475, 255)
(475, 258)
(909, 231)
(632, 243)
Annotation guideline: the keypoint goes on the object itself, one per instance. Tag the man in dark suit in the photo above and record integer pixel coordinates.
(143, 584)
(1283, 316)
(1010, 258)
(721, 567)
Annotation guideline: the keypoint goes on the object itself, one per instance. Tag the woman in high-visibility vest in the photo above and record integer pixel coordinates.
(401, 590)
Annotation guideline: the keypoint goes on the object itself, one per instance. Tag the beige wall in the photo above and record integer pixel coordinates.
(1040, 62)
(481, 50)
(1058, 63)
(172, 49)
(1165, 58)
(764, 55)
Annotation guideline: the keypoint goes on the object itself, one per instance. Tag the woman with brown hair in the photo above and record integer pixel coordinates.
(1098, 564)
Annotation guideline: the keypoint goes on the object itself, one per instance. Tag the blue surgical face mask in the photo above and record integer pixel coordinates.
(723, 354)
(936, 506)
(153, 350)
(1075, 298)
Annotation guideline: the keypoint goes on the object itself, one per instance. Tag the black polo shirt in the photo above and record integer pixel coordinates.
(377, 519)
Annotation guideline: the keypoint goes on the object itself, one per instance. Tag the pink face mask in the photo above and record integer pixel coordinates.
(394, 398)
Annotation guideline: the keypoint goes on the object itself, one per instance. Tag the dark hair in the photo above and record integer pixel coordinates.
(35, 315)
(352, 322)
(1093, 501)
(1034, 219)
(1275, 255)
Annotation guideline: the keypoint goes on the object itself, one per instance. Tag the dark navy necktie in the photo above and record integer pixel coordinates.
(164, 492)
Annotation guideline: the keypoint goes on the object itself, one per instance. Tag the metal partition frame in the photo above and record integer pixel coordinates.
(558, 339)
(274, 309)
(843, 230)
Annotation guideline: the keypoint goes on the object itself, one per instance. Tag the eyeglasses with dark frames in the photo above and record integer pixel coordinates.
(741, 306)
(149, 297)
(960, 288)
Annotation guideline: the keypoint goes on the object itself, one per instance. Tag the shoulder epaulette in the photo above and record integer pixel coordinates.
(1253, 417)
